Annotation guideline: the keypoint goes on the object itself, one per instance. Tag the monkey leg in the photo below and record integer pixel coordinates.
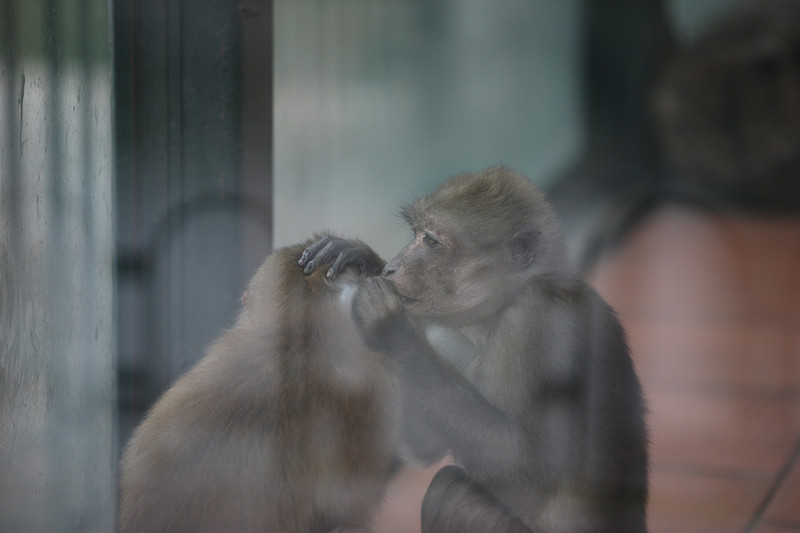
(454, 504)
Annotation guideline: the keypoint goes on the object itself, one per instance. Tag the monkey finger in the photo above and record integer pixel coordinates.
(384, 295)
(326, 253)
(340, 264)
(322, 257)
(310, 252)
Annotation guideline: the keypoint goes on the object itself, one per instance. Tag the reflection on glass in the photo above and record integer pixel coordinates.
(378, 101)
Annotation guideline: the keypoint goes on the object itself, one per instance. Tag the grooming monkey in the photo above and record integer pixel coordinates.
(289, 424)
(541, 408)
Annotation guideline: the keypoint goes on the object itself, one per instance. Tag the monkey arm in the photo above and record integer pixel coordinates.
(340, 253)
(488, 441)
(481, 436)
(418, 442)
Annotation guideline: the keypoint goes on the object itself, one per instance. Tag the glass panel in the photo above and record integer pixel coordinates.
(690, 17)
(56, 256)
(376, 101)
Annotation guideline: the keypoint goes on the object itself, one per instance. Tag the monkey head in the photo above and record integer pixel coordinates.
(478, 240)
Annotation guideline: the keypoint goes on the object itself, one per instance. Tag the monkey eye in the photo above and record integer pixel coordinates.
(429, 240)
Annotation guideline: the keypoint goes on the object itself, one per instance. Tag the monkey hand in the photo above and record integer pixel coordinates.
(379, 314)
(339, 254)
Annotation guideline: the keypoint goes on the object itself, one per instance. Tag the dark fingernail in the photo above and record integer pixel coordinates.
(309, 267)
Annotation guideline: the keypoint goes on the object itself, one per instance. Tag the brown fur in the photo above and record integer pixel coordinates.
(288, 424)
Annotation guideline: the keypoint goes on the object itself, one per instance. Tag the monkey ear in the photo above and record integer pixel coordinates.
(522, 247)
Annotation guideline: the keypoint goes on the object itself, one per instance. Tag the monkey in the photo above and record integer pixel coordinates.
(539, 403)
(288, 424)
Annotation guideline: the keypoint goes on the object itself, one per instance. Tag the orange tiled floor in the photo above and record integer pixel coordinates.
(711, 305)
(712, 308)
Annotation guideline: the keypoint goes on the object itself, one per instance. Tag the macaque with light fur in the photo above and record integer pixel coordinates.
(289, 424)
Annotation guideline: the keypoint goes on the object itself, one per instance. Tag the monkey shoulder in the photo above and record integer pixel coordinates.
(575, 302)
(591, 351)
(566, 331)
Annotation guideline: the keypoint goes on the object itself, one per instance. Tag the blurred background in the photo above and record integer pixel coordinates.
(153, 153)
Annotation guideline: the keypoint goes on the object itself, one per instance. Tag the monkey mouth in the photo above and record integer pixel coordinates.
(403, 298)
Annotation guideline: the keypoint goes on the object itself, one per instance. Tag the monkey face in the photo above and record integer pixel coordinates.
(418, 274)
(477, 241)
(441, 278)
